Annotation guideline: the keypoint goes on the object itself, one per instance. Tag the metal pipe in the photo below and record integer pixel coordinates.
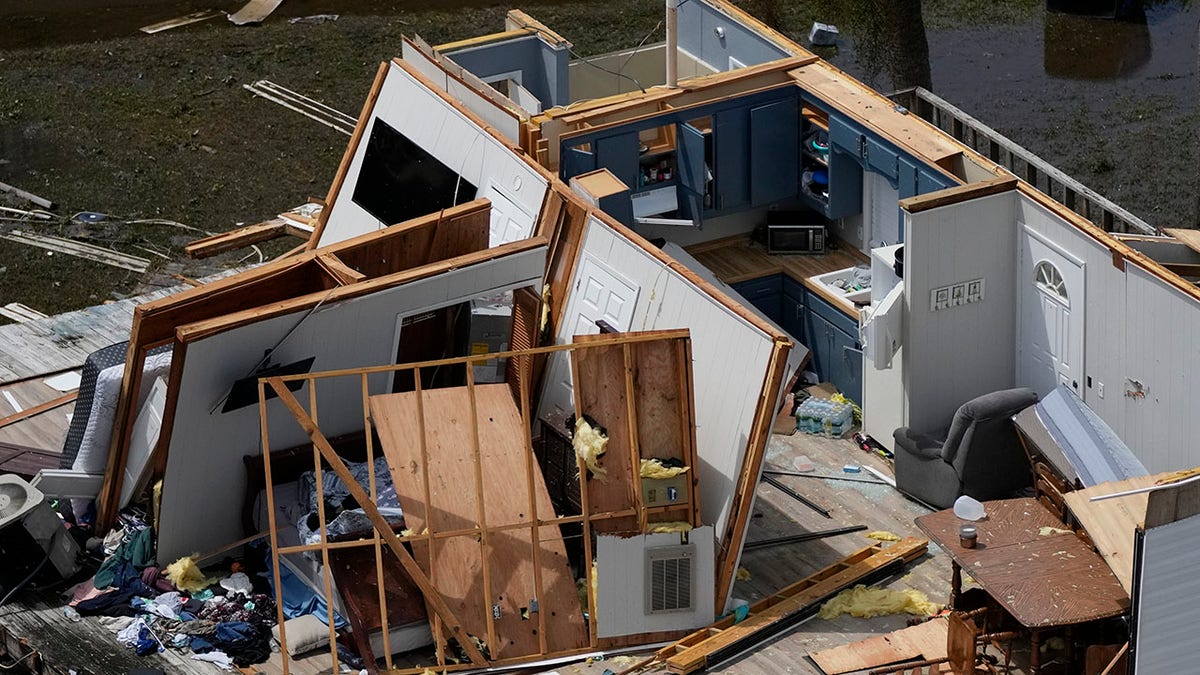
(778, 485)
(797, 538)
(672, 47)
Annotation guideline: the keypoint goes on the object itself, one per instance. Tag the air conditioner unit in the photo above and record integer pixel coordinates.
(30, 533)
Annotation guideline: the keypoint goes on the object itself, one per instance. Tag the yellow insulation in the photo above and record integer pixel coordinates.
(670, 526)
(187, 576)
(865, 602)
(589, 445)
(652, 468)
(882, 535)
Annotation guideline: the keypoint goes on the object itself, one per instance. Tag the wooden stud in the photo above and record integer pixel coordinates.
(635, 455)
(274, 532)
(586, 508)
(535, 532)
(410, 566)
(422, 446)
(318, 479)
(481, 510)
(340, 271)
(378, 543)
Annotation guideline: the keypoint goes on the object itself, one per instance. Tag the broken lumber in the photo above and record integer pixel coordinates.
(254, 11)
(80, 250)
(770, 616)
(924, 641)
(20, 313)
(38, 409)
(186, 19)
(27, 196)
(235, 239)
(310, 108)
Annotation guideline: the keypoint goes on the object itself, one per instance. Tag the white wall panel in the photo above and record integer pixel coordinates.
(446, 133)
(1138, 328)
(953, 355)
(205, 479)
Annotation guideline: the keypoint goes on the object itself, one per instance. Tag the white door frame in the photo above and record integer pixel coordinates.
(1078, 302)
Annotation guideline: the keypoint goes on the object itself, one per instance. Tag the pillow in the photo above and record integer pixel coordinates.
(304, 634)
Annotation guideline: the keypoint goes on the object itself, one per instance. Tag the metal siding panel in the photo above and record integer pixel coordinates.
(1167, 613)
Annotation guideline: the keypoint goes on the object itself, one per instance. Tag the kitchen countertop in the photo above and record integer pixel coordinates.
(737, 259)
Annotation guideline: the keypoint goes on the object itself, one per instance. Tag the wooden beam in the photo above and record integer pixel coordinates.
(432, 596)
(959, 194)
(38, 409)
(235, 239)
(343, 273)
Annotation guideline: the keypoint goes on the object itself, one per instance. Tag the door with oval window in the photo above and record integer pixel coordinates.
(1050, 323)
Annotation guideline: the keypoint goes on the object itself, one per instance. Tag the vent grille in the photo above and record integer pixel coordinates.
(669, 572)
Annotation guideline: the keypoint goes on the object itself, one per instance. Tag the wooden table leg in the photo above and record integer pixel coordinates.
(955, 583)
(1035, 651)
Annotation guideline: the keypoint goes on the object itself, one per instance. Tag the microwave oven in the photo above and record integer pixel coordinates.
(796, 239)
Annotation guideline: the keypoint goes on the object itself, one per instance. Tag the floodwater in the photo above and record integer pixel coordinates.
(1114, 103)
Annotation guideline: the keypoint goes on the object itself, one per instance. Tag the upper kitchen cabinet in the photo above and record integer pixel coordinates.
(774, 152)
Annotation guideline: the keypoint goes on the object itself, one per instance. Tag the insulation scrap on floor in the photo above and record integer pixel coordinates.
(186, 575)
(589, 444)
(743, 574)
(668, 526)
(653, 468)
(1046, 531)
(882, 535)
(865, 602)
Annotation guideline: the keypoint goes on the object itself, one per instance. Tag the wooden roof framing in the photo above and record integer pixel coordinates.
(279, 287)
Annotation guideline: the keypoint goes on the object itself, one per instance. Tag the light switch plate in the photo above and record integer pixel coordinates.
(939, 298)
(958, 294)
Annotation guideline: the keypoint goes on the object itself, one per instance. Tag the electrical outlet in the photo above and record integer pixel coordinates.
(1100, 389)
(958, 295)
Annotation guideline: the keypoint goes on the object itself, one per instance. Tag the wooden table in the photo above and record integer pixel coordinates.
(1044, 582)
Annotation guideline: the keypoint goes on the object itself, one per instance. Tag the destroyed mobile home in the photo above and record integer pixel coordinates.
(512, 402)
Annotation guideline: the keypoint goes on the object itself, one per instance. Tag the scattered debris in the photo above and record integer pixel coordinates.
(823, 35)
(187, 19)
(20, 313)
(314, 19)
(254, 11)
(1046, 531)
(27, 196)
(797, 538)
(882, 535)
(743, 574)
(926, 640)
(310, 108)
(80, 250)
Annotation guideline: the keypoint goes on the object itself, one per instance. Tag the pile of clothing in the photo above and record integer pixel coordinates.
(226, 621)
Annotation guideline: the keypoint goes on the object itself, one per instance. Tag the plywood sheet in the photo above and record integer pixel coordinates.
(1190, 238)
(1111, 523)
(456, 566)
(925, 641)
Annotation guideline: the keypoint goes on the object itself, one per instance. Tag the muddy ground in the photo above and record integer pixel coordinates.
(100, 117)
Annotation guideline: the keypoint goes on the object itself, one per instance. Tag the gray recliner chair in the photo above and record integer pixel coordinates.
(980, 454)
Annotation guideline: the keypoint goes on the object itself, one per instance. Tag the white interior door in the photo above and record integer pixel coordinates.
(143, 440)
(1050, 344)
(599, 292)
(510, 221)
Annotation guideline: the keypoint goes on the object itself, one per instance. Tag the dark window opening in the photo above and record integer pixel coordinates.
(400, 181)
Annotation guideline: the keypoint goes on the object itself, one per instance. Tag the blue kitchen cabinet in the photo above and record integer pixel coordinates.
(765, 293)
(774, 152)
(731, 137)
(836, 352)
(794, 307)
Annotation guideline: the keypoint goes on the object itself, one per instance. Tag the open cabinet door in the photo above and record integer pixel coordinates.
(693, 174)
(576, 161)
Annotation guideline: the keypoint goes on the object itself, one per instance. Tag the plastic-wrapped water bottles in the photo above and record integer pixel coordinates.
(824, 417)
